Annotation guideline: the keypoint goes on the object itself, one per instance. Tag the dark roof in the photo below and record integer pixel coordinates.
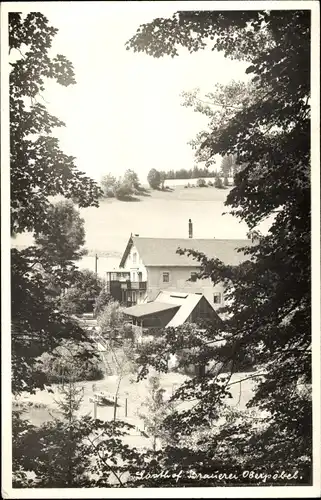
(162, 251)
(149, 308)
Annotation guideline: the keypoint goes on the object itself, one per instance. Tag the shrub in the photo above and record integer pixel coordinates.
(226, 181)
(210, 183)
(122, 190)
(201, 183)
(67, 362)
(218, 183)
(80, 298)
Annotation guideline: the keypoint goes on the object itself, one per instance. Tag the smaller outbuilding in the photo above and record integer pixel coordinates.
(172, 309)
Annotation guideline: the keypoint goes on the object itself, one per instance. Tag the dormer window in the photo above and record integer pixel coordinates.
(193, 276)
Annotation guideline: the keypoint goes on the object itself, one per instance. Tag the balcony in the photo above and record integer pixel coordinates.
(137, 285)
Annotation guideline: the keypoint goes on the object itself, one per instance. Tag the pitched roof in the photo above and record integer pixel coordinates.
(162, 251)
(149, 308)
(187, 302)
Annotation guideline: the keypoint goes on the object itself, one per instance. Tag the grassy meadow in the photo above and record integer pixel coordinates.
(154, 214)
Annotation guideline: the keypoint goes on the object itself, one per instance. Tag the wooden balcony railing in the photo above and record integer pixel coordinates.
(137, 285)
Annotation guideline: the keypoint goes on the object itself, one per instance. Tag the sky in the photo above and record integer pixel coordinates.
(125, 110)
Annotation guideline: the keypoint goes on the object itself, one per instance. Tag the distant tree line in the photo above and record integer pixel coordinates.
(192, 173)
(228, 168)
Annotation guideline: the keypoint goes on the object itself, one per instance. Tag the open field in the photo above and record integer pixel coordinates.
(157, 214)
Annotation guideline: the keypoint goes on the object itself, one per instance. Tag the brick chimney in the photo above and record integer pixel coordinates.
(190, 228)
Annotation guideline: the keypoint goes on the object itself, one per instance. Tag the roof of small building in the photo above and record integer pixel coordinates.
(185, 304)
(161, 252)
(148, 308)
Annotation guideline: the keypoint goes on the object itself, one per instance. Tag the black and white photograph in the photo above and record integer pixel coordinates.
(160, 179)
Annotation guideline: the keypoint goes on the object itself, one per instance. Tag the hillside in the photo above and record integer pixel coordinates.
(157, 214)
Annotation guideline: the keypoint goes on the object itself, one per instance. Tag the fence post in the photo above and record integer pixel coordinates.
(126, 408)
(95, 410)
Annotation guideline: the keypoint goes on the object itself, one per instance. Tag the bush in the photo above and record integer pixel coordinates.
(80, 298)
(68, 362)
(122, 190)
(226, 181)
(218, 183)
(210, 183)
(201, 183)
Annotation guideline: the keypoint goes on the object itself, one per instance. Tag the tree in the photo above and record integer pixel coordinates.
(226, 166)
(131, 178)
(123, 190)
(111, 319)
(68, 451)
(162, 179)
(108, 183)
(64, 237)
(83, 293)
(102, 300)
(268, 129)
(154, 410)
(39, 170)
(154, 178)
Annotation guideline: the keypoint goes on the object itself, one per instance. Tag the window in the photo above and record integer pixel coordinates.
(217, 298)
(166, 277)
(134, 258)
(193, 276)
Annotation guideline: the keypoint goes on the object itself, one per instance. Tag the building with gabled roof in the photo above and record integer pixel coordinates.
(172, 309)
(153, 264)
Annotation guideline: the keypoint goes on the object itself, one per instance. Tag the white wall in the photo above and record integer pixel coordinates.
(178, 280)
(134, 268)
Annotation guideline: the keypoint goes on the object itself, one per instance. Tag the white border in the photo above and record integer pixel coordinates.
(223, 492)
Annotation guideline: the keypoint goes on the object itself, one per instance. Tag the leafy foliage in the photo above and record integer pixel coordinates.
(154, 178)
(228, 165)
(193, 173)
(39, 170)
(70, 361)
(154, 409)
(71, 451)
(111, 319)
(218, 183)
(102, 300)
(108, 183)
(122, 188)
(266, 125)
(82, 295)
(65, 235)
(201, 183)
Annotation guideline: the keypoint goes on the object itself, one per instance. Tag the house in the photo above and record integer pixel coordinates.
(171, 309)
(153, 264)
